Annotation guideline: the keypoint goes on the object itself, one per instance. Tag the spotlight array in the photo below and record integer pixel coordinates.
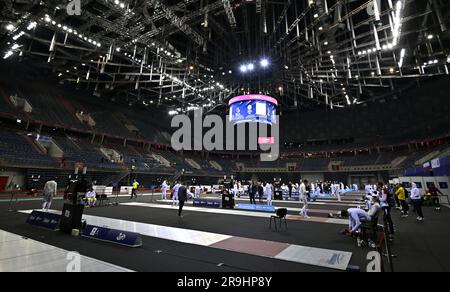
(67, 30)
(250, 67)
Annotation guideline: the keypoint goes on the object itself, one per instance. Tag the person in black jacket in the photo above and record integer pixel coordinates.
(182, 197)
(253, 189)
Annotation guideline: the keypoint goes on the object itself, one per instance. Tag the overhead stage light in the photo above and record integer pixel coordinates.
(32, 25)
(250, 67)
(10, 27)
(264, 63)
(8, 54)
(243, 68)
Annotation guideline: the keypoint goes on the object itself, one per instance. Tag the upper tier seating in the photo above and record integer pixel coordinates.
(18, 149)
(105, 122)
(49, 107)
(77, 150)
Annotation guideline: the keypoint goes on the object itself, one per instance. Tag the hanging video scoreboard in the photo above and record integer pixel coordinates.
(253, 108)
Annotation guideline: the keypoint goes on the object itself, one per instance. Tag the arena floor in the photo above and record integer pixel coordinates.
(229, 241)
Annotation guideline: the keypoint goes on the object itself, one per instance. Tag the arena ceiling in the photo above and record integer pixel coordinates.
(189, 54)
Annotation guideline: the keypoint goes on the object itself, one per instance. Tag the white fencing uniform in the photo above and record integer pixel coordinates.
(338, 192)
(197, 192)
(369, 198)
(317, 193)
(303, 200)
(164, 189)
(175, 194)
(235, 190)
(356, 217)
(240, 191)
(269, 191)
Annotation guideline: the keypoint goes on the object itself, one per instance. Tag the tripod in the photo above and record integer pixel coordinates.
(10, 208)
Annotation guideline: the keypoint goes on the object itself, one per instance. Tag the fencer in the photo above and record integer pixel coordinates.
(303, 199)
(175, 194)
(164, 188)
(269, 192)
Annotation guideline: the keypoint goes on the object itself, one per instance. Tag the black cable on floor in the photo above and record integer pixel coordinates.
(203, 261)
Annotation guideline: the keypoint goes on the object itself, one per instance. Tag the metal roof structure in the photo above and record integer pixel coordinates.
(188, 54)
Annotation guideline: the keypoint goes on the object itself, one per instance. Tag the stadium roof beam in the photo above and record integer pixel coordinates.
(178, 22)
(230, 13)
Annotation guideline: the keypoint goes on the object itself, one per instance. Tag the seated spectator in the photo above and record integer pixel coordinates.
(358, 216)
(91, 199)
(434, 192)
(375, 208)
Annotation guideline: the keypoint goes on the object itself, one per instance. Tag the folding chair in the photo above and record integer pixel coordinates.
(280, 214)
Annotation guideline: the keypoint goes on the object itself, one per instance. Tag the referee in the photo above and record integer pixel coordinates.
(182, 197)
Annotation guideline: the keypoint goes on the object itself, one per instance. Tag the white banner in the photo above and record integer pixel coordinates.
(436, 163)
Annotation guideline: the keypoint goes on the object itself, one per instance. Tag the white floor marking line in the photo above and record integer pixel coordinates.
(293, 253)
(152, 230)
(18, 254)
(225, 212)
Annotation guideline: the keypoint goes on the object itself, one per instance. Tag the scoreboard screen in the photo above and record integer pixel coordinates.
(253, 109)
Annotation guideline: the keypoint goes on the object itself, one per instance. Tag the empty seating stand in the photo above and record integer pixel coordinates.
(105, 122)
(19, 149)
(77, 150)
(48, 108)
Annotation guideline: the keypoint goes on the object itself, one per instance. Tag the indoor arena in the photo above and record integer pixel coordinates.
(224, 136)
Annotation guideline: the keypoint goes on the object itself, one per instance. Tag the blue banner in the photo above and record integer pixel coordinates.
(293, 197)
(45, 220)
(206, 203)
(126, 238)
(253, 207)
